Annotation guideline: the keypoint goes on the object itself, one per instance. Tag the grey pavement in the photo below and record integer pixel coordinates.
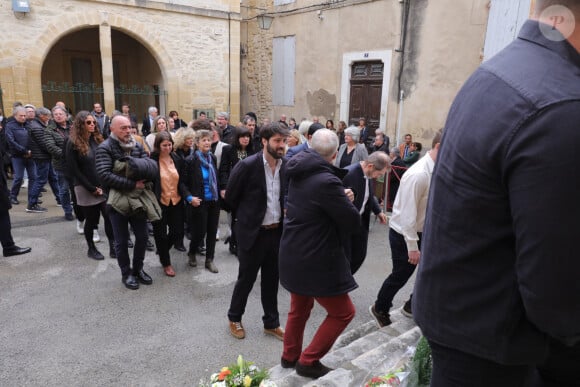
(68, 320)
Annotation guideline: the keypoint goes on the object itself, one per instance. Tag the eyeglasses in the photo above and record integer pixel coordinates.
(89, 122)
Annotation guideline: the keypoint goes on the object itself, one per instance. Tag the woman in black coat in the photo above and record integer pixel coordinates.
(239, 150)
(90, 196)
(200, 176)
(169, 190)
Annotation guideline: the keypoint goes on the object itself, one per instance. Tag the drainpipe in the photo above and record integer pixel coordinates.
(400, 117)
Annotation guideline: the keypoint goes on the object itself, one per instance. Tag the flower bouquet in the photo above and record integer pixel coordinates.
(389, 380)
(241, 374)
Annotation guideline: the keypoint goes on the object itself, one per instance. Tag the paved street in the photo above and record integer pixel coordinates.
(68, 320)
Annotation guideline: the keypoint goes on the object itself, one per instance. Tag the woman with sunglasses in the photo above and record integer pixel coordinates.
(80, 156)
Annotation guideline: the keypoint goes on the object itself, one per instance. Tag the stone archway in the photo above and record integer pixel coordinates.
(107, 29)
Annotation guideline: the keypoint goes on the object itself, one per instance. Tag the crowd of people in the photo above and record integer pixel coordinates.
(173, 179)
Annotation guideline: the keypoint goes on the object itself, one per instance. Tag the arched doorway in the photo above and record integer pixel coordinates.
(72, 73)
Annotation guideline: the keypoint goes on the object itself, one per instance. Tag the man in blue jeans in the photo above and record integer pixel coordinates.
(17, 138)
(405, 230)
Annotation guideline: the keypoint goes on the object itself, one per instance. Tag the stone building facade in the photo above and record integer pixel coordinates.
(398, 62)
(176, 54)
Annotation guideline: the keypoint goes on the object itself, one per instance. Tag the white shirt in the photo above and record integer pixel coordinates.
(273, 210)
(366, 198)
(411, 202)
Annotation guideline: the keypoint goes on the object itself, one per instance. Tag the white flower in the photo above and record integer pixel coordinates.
(268, 383)
(219, 384)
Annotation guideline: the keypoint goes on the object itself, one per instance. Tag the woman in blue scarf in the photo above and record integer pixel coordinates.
(202, 194)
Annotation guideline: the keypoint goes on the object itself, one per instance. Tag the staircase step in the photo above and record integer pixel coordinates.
(358, 353)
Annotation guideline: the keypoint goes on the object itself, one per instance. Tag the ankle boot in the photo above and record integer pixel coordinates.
(94, 253)
(112, 252)
(209, 265)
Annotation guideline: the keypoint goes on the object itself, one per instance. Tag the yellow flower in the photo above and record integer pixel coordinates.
(247, 381)
(224, 369)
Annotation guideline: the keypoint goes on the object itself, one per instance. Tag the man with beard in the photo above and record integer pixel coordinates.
(256, 194)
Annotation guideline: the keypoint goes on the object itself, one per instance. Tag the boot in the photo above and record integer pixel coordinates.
(192, 260)
(94, 253)
(112, 252)
(209, 265)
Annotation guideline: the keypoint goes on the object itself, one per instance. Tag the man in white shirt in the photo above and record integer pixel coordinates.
(406, 226)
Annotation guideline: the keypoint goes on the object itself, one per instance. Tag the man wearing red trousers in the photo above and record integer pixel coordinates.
(313, 266)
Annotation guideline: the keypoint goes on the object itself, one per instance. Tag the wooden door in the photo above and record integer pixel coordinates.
(365, 93)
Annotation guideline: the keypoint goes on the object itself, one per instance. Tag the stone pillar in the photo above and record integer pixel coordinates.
(107, 65)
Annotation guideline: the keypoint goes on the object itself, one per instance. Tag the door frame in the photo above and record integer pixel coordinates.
(348, 59)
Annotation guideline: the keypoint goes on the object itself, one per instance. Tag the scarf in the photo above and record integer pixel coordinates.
(207, 163)
(126, 146)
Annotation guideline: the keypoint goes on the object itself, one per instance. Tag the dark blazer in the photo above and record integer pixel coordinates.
(293, 151)
(246, 194)
(355, 180)
(5, 204)
(355, 247)
(146, 128)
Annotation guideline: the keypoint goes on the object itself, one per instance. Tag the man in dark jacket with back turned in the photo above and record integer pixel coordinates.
(497, 291)
(119, 145)
(313, 265)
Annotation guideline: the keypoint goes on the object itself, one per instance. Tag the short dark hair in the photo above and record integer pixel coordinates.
(201, 124)
(272, 129)
(418, 145)
(314, 127)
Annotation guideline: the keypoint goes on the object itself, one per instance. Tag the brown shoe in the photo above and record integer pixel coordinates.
(276, 332)
(169, 271)
(237, 330)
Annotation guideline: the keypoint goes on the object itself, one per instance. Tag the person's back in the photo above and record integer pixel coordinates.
(498, 275)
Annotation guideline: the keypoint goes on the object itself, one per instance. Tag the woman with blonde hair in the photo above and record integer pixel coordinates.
(184, 142)
(294, 138)
(160, 123)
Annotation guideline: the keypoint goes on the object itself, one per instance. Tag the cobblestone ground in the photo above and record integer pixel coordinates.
(68, 320)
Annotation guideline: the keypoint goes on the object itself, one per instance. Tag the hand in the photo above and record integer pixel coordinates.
(349, 194)
(382, 218)
(140, 184)
(414, 257)
(223, 193)
(195, 201)
(98, 192)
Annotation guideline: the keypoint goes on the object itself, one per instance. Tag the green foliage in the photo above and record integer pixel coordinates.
(422, 363)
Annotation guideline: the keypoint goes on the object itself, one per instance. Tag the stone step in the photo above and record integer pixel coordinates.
(360, 353)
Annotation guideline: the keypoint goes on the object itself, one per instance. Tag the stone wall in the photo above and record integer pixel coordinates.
(195, 43)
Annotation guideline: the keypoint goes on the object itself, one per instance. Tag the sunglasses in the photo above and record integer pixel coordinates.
(89, 122)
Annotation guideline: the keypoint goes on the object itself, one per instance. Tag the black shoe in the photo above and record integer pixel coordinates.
(201, 250)
(95, 254)
(15, 250)
(69, 216)
(130, 282)
(287, 363)
(180, 248)
(36, 209)
(382, 319)
(14, 201)
(144, 278)
(233, 249)
(130, 243)
(406, 310)
(112, 254)
(150, 246)
(314, 371)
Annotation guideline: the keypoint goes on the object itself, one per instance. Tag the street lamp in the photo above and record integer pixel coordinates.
(265, 21)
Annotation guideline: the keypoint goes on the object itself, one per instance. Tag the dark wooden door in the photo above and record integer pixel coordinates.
(366, 84)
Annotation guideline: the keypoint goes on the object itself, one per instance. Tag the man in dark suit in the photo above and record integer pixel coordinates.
(305, 145)
(359, 178)
(8, 245)
(148, 121)
(255, 192)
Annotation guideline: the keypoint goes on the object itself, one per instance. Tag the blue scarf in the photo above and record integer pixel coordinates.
(206, 163)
